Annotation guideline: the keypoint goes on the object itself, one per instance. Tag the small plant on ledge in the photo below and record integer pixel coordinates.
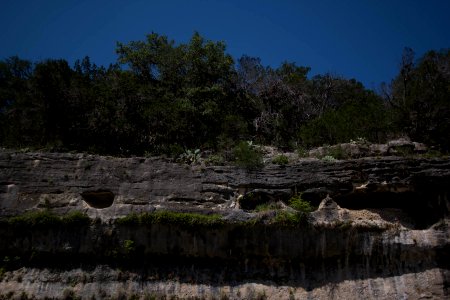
(246, 156)
(297, 203)
(281, 160)
(190, 156)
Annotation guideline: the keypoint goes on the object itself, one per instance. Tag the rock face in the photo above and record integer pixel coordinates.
(381, 229)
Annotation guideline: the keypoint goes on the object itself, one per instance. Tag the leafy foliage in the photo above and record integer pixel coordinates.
(174, 96)
(296, 202)
(420, 98)
(190, 156)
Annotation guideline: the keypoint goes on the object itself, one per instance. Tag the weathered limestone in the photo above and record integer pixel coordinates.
(381, 229)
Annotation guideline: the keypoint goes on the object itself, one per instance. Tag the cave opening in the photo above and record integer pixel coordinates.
(98, 199)
(423, 208)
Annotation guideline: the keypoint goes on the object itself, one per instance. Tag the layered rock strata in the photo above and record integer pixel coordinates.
(380, 229)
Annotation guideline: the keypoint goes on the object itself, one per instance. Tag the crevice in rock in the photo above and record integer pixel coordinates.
(99, 198)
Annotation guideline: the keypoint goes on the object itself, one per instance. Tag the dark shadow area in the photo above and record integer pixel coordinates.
(421, 208)
(303, 257)
(99, 198)
(262, 196)
(306, 274)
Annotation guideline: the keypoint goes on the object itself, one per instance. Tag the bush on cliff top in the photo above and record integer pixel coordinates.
(247, 157)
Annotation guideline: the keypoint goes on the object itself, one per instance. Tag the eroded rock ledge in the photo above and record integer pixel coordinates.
(380, 230)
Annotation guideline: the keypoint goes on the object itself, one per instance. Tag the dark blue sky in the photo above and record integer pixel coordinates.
(359, 39)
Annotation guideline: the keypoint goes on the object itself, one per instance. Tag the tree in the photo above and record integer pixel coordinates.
(420, 98)
(350, 112)
(15, 112)
(186, 85)
(145, 57)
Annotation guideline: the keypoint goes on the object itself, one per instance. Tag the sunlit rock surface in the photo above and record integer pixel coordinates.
(380, 231)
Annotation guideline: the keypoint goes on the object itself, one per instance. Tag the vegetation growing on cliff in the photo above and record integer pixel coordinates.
(167, 97)
(296, 202)
(171, 217)
(47, 219)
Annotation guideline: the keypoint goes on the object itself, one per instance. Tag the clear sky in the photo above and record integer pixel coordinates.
(360, 39)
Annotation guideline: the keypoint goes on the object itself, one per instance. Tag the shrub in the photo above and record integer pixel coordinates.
(246, 156)
(128, 246)
(302, 152)
(190, 156)
(281, 160)
(404, 150)
(337, 152)
(296, 202)
(216, 159)
(329, 158)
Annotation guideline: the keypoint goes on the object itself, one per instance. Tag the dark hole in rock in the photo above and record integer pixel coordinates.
(99, 198)
(315, 195)
(424, 208)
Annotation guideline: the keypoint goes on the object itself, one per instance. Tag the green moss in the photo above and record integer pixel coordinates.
(48, 219)
(131, 219)
(267, 206)
(76, 218)
(170, 217)
(42, 218)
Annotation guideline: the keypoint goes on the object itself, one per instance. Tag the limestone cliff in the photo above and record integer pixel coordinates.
(380, 230)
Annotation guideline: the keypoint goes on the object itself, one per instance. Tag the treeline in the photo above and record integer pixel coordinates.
(163, 97)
